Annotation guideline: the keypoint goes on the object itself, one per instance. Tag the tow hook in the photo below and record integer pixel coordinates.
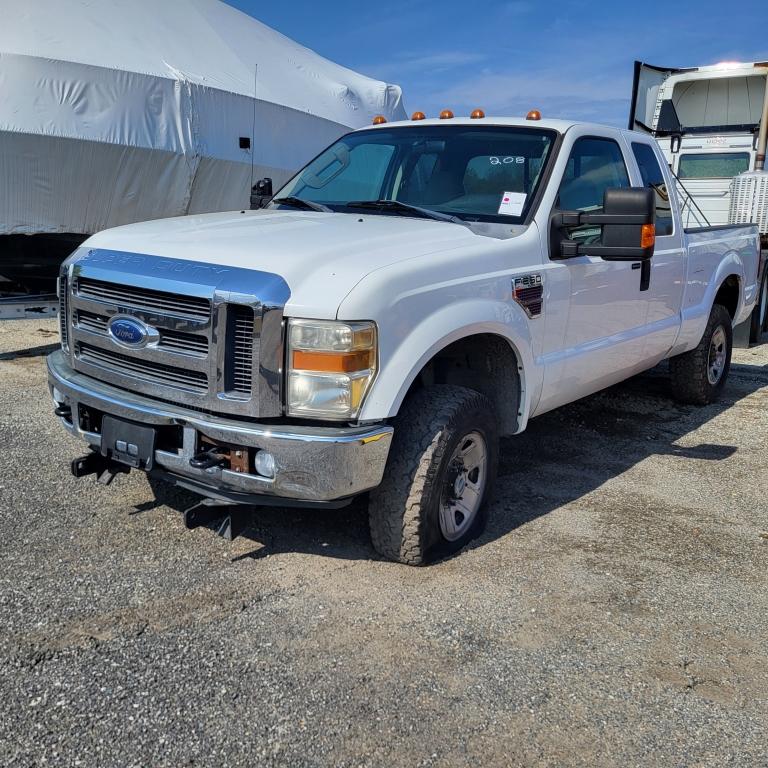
(208, 460)
(63, 412)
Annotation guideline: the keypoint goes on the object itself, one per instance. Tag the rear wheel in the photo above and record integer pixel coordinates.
(442, 466)
(759, 318)
(698, 376)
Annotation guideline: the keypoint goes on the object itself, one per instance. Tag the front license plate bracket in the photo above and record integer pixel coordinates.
(129, 443)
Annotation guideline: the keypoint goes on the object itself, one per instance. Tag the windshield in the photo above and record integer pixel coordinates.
(475, 173)
(713, 165)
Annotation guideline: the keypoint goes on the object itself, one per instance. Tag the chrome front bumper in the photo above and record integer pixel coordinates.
(314, 464)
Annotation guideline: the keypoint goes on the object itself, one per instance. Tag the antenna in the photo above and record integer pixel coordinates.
(253, 125)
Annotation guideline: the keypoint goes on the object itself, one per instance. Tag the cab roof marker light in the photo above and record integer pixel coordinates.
(534, 114)
(446, 114)
(379, 120)
(418, 116)
(477, 114)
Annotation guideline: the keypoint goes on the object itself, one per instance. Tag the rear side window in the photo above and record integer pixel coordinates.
(650, 170)
(713, 165)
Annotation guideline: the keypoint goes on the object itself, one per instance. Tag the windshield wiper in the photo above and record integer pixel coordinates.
(297, 202)
(396, 205)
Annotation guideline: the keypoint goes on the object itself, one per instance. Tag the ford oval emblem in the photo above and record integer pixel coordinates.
(129, 332)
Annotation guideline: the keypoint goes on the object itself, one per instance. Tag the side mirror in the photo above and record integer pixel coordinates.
(627, 224)
(261, 193)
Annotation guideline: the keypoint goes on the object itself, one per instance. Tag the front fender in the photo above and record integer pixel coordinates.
(401, 363)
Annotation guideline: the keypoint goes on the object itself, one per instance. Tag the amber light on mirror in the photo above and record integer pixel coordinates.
(648, 236)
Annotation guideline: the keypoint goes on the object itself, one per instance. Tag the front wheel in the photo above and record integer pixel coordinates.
(442, 466)
(698, 376)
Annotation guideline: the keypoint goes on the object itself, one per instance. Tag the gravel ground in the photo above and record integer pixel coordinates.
(613, 614)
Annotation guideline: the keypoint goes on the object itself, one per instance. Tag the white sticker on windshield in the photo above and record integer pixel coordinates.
(512, 203)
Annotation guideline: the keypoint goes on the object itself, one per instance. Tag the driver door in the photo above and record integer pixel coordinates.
(603, 333)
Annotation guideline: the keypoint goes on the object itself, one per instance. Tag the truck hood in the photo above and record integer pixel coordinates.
(321, 256)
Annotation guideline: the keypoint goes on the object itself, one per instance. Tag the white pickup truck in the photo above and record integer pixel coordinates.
(417, 291)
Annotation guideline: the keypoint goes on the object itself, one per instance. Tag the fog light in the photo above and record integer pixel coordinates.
(264, 463)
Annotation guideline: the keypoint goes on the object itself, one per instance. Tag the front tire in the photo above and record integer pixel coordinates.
(698, 376)
(441, 469)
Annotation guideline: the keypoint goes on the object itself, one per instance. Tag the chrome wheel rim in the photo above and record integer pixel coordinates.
(717, 350)
(464, 487)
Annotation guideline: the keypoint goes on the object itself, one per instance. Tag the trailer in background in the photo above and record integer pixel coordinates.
(712, 125)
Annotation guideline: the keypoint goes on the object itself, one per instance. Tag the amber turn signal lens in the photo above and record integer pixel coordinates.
(446, 114)
(534, 114)
(332, 362)
(477, 114)
(648, 236)
(379, 120)
(418, 116)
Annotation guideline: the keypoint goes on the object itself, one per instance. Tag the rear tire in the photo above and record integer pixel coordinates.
(759, 317)
(698, 376)
(438, 481)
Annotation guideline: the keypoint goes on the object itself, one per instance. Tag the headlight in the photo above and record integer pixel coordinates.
(331, 367)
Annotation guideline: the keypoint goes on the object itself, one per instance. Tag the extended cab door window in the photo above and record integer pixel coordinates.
(650, 171)
(595, 165)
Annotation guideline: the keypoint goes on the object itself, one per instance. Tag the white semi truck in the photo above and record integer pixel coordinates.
(712, 126)
(707, 121)
(420, 289)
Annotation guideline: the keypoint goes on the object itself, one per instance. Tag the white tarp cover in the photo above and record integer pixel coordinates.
(115, 111)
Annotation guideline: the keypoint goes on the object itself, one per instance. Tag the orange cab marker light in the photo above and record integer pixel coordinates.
(331, 362)
(648, 236)
(379, 120)
(418, 116)
(446, 114)
(477, 114)
(534, 114)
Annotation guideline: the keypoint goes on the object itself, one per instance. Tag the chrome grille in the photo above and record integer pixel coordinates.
(154, 373)
(170, 341)
(144, 299)
(91, 322)
(242, 320)
(183, 343)
(214, 333)
(63, 319)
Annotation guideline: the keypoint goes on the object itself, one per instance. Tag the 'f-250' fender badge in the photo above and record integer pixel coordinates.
(528, 292)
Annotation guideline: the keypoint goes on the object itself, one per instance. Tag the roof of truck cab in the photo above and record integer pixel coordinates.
(561, 126)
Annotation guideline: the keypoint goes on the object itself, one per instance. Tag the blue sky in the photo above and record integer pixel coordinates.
(570, 59)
